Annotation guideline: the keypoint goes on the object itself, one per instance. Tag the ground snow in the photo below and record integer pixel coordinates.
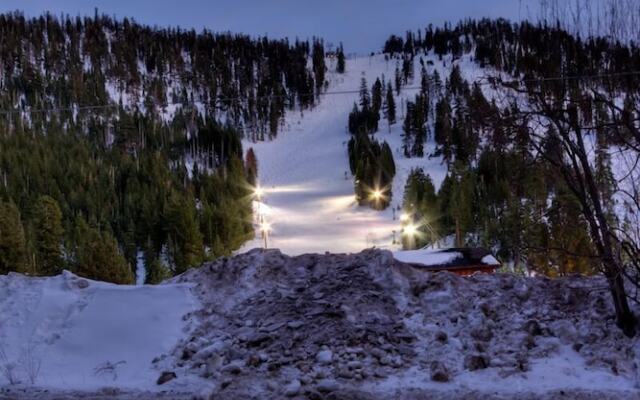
(85, 338)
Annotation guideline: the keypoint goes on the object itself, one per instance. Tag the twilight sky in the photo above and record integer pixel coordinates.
(362, 25)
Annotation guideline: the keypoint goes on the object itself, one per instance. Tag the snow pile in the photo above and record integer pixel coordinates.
(65, 332)
(369, 326)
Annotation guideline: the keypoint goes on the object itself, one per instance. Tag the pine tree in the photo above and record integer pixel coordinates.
(408, 130)
(365, 99)
(398, 80)
(340, 66)
(443, 129)
(376, 96)
(48, 236)
(156, 272)
(390, 107)
(98, 257)
(319, 67)
(251, 167)
(184, 234)
(13, 245)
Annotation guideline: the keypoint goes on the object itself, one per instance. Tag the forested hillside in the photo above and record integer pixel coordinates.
(504, 186)
(121, 143)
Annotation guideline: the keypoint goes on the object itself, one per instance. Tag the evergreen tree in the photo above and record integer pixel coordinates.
(443, 128)
(13, 245)
(390, 107)
(340, 66)
(156, 272)
(398, 81)
(48, 236)
(365, 99)
(97, 256)
(319, 67)
(420, 202)
(251, 167)
(376, 96)
(185, 238)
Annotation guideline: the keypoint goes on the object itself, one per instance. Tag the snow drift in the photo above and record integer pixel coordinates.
(66, 332)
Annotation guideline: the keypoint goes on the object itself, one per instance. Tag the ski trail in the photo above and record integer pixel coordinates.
(308, 202)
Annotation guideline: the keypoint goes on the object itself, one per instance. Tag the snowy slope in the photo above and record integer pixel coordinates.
(308, 202)
(86, 334)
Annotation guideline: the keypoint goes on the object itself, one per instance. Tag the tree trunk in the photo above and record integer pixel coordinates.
(624, 317)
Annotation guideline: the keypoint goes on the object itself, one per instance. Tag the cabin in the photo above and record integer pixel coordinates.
(462, 261)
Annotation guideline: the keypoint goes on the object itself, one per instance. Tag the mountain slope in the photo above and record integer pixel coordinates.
(309, 198)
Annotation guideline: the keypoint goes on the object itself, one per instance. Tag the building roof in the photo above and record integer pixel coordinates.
(449, 259)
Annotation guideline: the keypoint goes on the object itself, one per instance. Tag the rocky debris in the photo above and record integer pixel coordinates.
(324, 356)
(293, 388)
(327, 385)
(439, 372)
(474, 362)
(165, 377)
(324, 325)
(82, 283)
(441, 337)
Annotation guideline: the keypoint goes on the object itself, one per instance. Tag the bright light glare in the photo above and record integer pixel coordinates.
(265, 227)
(404, 217)
(258, 191)
(410, 230)
(377, 194)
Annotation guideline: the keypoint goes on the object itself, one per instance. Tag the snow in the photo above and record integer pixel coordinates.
(426, 257)
(562, 371)
(489, 260)
(141, 270)
(89, 337)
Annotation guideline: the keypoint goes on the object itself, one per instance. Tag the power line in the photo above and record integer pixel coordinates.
(481, 81)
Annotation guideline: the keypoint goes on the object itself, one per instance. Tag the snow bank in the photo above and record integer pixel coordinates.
(86, 335)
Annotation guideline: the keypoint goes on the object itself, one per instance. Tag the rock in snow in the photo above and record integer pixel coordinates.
(324, 356)
(165, 377)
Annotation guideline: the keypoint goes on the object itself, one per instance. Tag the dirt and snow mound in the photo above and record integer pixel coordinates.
(366, 325)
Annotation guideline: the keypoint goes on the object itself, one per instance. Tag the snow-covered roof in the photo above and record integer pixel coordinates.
(447, 258)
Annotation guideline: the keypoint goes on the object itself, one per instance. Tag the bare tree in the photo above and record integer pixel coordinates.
(616, 19)
(8, 368)
(562, 120)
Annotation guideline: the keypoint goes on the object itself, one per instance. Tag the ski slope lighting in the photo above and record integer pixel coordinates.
(410, 230)
(377, 194)
(258, 192)
(265, 227)
(404, 217)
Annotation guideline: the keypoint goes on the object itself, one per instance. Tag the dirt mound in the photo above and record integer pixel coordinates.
(365, 325)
